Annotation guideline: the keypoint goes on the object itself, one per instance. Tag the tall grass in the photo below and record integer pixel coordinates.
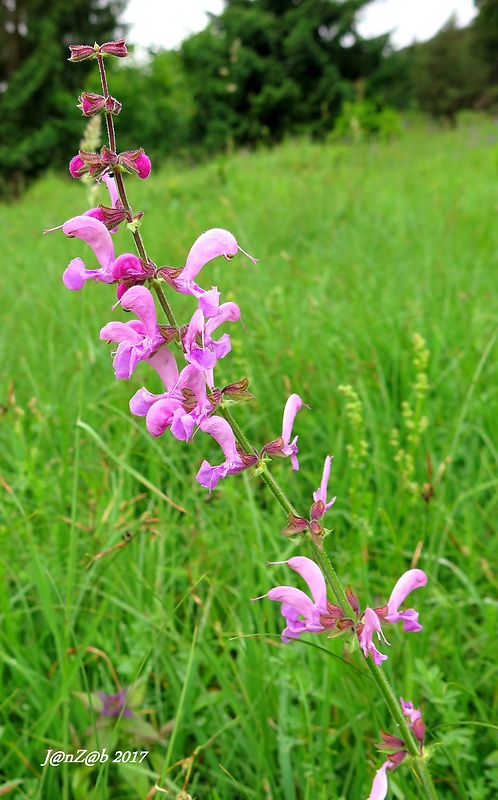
(359, 249)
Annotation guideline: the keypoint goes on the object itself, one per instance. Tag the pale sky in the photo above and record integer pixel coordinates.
(166, 22)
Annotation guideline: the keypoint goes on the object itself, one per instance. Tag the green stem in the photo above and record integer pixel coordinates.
(164, 303)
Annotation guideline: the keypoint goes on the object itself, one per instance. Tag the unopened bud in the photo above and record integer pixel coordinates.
(91, 104)
(352, 600)
(117, 49)
(295, 525)
(418, 729)
(77, 167)
(317, 510)
(80, 52)
(396, 758)
(136, 161)
(390, 742)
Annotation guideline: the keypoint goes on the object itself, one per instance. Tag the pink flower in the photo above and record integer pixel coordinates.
(283, 446)
(172, 409)
(410, 711)
(138, 339)
(200, 348)
(413, 579)
(301, 613)
(94, 233)
(371, 625)
(212, 243)
(409, 581)
(320, 505)
(220, 430)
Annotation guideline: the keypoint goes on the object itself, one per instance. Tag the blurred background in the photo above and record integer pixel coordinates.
(212, 75)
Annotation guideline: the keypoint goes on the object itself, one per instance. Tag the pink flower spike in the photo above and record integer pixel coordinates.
(371, 624)
(410, 580)
(379, 786)
(321, 494)
(292, 406)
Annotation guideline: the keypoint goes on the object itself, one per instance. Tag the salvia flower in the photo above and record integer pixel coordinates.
(200, 348)
(138, 339)
(183, 407)
(300, 612)
(283, 446)
(94, 233)
(409, 581)
(321, 505)
(208, 476)
(214, 242)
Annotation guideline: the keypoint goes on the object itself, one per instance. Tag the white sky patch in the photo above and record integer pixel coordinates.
(165, 23)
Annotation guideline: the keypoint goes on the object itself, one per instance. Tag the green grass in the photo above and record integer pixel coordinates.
(359, 248)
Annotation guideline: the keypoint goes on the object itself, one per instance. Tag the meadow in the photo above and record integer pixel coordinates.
(361, 248)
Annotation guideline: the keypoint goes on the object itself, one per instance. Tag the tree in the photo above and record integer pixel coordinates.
(37, 88)
(264, 68)
(448, 72)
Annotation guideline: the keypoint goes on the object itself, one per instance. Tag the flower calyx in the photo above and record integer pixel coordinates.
(91, 104)
(81, 52)
(96, 164)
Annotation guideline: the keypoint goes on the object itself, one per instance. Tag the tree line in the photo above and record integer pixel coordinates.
(259, 71)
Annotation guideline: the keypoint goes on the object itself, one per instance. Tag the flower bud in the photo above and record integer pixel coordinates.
(418, 729)
(91, 103)
(390, 742)
(136, 161)
(80, 52)
(397, 758)
(352, 599)
(117, 49)
(317, 510)
(77, 167)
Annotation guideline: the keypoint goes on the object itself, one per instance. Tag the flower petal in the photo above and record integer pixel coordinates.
(313, 576)
(139, 300)
(410, 580)
(94, 233)
(212, 243)
(379, 786)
